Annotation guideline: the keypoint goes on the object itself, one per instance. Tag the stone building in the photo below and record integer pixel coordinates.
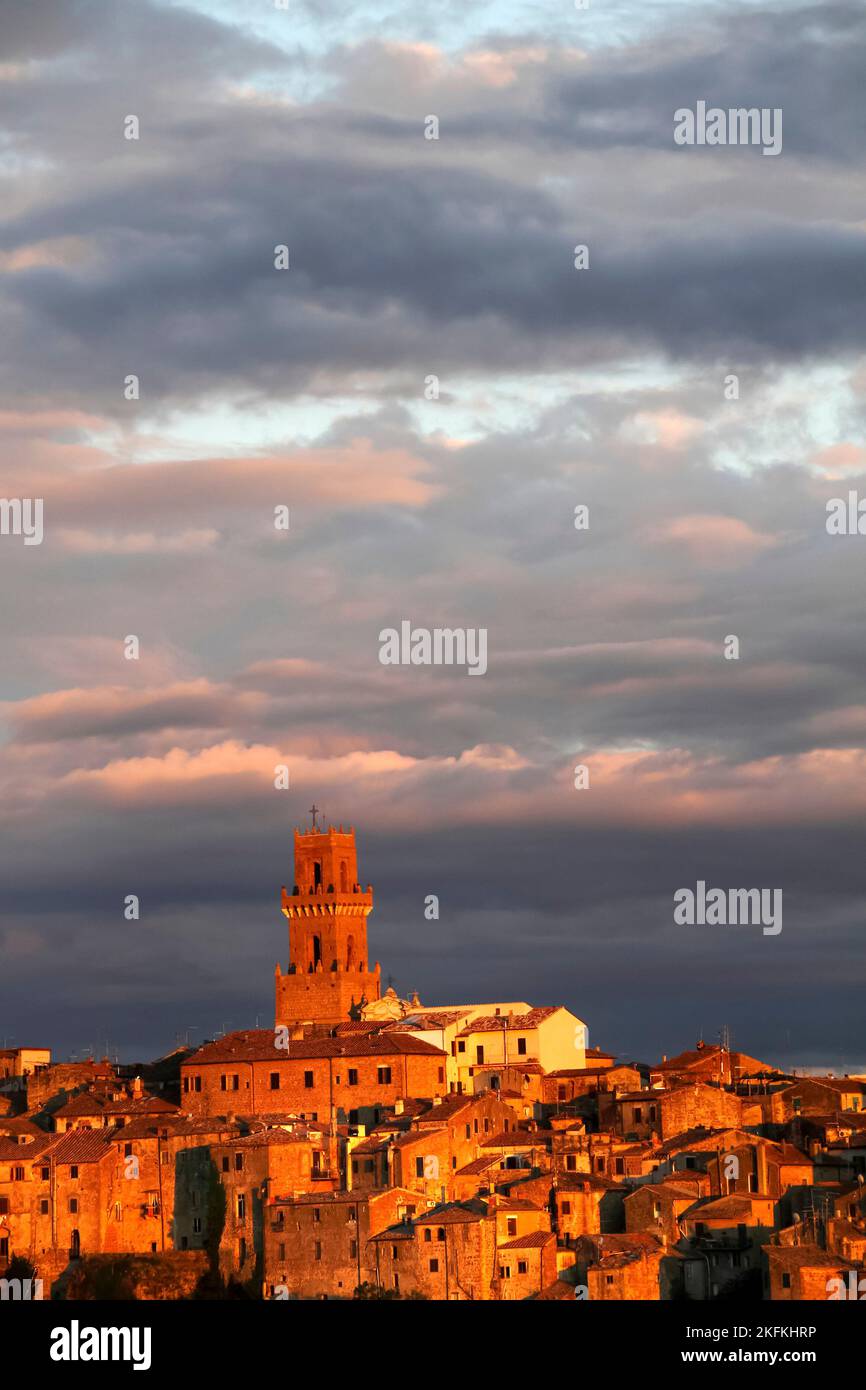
(320, 1246)
(345, 1080)
(329, 978)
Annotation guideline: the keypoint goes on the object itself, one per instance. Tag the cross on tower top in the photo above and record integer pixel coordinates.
(314, 811)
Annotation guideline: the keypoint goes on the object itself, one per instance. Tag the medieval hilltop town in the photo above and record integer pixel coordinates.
(369, 1146)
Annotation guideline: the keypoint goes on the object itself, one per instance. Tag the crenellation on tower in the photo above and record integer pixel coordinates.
(328, 976)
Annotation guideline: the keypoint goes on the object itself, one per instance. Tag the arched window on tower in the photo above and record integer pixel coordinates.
(317, 951)
(350, 951)
(317, 873)
(344, 877)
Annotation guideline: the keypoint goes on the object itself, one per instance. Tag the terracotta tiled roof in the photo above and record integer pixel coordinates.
(11, 1151)
(533, 1240)
(82, 1146)
(478, 1165)
(453, 1213)
(805, 1257)
(257, 1045)
(426, 1022)
(559, 1289)
(512, 1023)
(733, 1207)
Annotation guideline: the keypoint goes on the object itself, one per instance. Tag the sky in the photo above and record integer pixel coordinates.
(448, 261)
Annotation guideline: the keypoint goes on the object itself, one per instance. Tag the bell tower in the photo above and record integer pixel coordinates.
(329, 974)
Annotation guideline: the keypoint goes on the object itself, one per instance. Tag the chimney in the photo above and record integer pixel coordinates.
(137, 1088)
(399, 1106)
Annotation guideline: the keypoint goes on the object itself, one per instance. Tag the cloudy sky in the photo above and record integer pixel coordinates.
(412, 258)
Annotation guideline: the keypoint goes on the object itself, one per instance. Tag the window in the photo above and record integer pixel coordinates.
(308, 1080)
(486, 1126)
(353, 1077)
(73, 1170)
(441, 1075)
(440, 1233)
(419, 1167)
(521, 1266)
(118, 1211)
(657, 1211)
(521, 1047)
(353, 1249)
(383, 1076)
(281, 1251)
(479, 1055)
(468, 1131)
(395, 1251)
(18, 1174)
(127, 1150)
(571, 1163)
(226, 1163)
(317, 1214)
(164, 1158)
(638, 1114)
(239, 1163)
(599, 1165)
(565, 1208)
(354, 1165)
(619, 1165)
(275, 1080)
(461, 1047)
(505, 1271)
(43, 1206)
(562, 1093)
(45, 1174)
(369, 1165)
(196, 1083)
(428, 1234)
(786, 1281)
(434, 1266)
(73, 1206)
(242, 1206)
(609, 1279)
(229, 1081)
(186, 1085)
(511, 1225)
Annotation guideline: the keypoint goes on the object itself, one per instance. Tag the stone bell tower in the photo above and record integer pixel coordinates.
(329, 975)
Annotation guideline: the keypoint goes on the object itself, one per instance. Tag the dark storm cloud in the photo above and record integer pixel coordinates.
(408, 257)
(399, 260)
